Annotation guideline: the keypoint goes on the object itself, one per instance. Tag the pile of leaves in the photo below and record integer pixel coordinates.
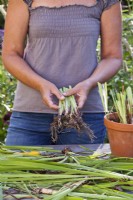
(45, 173)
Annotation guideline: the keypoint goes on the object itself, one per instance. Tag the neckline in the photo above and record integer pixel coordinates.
(63, 6)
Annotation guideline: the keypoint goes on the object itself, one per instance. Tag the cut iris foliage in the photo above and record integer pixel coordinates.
(59, 176)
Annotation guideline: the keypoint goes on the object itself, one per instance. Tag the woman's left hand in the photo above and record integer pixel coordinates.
(81, 91)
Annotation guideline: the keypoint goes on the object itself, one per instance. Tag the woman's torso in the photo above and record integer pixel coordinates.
(61, 48)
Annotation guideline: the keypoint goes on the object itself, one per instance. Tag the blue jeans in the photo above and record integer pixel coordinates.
(33, 129)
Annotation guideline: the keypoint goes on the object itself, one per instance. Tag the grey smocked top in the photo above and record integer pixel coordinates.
(61, 47)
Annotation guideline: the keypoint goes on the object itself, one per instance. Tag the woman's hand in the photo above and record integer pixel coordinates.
(81, 91)
(47, 90)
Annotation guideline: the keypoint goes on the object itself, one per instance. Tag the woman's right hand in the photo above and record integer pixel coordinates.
(47, 90)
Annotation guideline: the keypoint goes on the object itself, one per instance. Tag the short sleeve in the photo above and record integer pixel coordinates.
(28, 2)
(109, 3)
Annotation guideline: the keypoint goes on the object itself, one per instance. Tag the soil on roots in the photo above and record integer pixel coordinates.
(75, 121)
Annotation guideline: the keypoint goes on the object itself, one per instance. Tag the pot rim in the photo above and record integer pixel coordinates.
(115, 125)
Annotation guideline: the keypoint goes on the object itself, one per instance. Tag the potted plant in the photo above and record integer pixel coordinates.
(119, 123)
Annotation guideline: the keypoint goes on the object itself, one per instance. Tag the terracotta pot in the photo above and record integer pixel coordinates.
(120, 136)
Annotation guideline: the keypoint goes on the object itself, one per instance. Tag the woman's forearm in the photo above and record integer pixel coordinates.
(22, 71)
(16, 66)
(106, 69)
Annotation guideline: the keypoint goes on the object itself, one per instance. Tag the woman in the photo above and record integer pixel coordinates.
(60, 51)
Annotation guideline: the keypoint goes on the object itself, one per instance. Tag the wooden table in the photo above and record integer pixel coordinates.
(99, 148)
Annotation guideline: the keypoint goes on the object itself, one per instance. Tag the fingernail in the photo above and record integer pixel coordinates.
(62, 97)
(64, 93)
